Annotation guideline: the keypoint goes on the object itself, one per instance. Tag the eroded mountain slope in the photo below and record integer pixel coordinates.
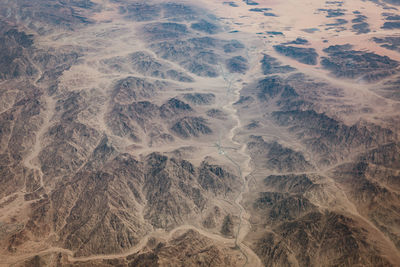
(167, 133)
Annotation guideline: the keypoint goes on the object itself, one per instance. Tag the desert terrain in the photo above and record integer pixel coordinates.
(199, 133)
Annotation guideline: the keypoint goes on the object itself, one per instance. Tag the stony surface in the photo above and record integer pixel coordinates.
(209, 133)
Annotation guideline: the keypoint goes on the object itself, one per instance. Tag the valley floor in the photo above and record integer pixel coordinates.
(208, 133)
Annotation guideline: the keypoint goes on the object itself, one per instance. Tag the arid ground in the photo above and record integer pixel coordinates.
(199, 133)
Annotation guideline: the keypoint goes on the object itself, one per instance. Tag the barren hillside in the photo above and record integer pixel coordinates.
(199, 133)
